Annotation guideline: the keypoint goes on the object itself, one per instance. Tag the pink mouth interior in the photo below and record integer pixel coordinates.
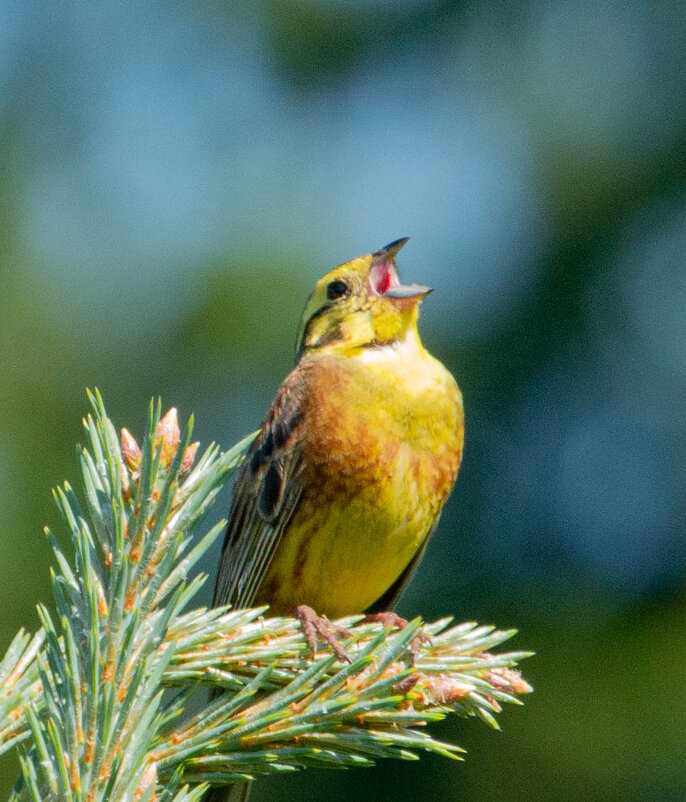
(382, 277)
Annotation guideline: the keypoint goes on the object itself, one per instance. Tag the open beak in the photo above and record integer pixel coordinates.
(383, 276)
(390, 251)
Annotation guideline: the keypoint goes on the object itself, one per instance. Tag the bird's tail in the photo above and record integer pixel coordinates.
(236, 792)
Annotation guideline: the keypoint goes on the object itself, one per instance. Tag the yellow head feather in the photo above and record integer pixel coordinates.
(358, 304)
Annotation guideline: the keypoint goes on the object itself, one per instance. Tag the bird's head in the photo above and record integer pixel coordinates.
(360, 303)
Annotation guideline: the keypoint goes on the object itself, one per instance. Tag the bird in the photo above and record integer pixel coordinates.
(340, 491)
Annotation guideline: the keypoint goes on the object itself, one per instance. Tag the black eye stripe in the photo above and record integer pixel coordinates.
(336, 289)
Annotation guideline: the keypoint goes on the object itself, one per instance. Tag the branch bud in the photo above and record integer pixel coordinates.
(168, 436)
(508, 680)
(188, 459)
(439, 689)
(130, 450)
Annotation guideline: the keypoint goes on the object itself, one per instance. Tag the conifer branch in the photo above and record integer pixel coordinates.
(20, 683)
(83, 699)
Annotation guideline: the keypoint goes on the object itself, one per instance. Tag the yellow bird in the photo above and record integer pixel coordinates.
(345, 482)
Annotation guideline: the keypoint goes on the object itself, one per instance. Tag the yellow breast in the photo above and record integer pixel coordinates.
(383, 436)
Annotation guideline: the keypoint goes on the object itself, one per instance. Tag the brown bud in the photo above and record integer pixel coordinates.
(438, 689)
(168, 436)
(508, 680)
(130, 450)
(406, 684)
(188, 459)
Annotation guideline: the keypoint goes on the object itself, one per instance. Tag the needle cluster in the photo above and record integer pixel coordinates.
(97, 701)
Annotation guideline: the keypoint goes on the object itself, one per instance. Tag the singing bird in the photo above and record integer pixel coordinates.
(344, 484)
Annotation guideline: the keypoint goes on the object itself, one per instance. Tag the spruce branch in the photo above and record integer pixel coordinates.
(84, 699)
(19, 683)
(324, 713)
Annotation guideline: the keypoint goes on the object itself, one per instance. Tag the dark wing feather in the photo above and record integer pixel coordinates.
(265, 496)
(396, 590)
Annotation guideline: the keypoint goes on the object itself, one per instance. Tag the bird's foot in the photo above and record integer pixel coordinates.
(391, 620)
(319, 625)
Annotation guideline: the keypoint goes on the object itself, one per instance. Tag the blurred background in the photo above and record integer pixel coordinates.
(174, 178)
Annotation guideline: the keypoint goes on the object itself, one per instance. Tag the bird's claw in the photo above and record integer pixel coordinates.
(392, 620)
(419, 640)
(389, 619)
(314, 625)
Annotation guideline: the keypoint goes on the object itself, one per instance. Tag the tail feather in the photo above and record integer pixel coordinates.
(236, 792)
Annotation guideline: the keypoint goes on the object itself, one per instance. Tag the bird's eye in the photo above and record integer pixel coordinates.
(336, 289)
